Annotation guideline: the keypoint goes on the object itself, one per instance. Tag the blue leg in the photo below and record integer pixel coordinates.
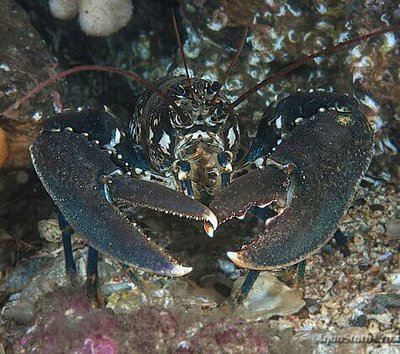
(248, 283)
(301, 270)
(262, 214)
(93, 278)
(67, 232)
(341, 242)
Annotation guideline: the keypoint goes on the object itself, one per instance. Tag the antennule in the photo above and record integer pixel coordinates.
(42, 85)
(232, 63)
(178, 38)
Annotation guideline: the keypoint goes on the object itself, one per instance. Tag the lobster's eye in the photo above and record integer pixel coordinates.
(217, 117)
(218, 111)
(180, 121)
(180, 91)
(214, 87)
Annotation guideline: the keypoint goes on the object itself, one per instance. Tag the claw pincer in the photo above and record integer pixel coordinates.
(88, 187)
(329, 153)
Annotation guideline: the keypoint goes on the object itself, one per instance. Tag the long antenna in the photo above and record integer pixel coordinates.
(178, 38)
(232, 63)
(77, 69)
(294, 65)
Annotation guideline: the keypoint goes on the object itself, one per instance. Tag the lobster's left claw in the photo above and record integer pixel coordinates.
(76, 174)
(260, 188)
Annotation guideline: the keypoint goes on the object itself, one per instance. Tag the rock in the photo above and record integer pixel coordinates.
(24, 62)
(393, 229)
(360, 321)
(269, 297)
(49, 230)
(394, 277)
(312, 306)
(383, 301)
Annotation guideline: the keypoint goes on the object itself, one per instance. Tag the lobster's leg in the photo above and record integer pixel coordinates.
(341, 243)
(92, 275)
(248, 283)
(66, 232)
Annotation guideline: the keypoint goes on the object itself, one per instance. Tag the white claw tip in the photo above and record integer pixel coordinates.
(233, 256)
(209, 229)
(179, 271)
(241, 216)
(212, 219)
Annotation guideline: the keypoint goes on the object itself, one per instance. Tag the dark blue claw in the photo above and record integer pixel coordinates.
(124, 190)
(280, 118)
(326, 156)
(71, 168)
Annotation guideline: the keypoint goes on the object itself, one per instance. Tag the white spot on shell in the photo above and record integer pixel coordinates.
(231, 137)
(164, 142)
(278, 122)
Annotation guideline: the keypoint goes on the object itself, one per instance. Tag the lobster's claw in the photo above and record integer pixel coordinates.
(329, 155)
(73, 171)
(260, 188)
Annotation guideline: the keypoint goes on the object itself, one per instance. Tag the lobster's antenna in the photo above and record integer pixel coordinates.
(77, 69)
(294, 65)
(178, 38)
(232, 63)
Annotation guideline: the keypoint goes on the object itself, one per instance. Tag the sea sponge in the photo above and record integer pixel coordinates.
(64, 9)
(96, 17)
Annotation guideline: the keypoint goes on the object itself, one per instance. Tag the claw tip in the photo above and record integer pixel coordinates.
(209, 229)
(179, 270)
(233, 256)
(212, 219)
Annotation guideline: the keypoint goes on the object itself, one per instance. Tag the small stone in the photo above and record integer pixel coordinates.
(373, 327)
(394, 277)
(226, 266)
(377, 207)
(385, 257)
(383, 301)
(312, 306)
(359, 242)
(360, 321)
(364, 266)
(393, 229)
(49, 230)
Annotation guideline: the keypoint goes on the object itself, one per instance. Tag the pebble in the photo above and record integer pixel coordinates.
(226, 266)
(312, 306)
(360, 321)
(393, 229)
(385, 257)
(394, 278)
(383, 301)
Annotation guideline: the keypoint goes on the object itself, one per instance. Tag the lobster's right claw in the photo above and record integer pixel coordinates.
(76, 173)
